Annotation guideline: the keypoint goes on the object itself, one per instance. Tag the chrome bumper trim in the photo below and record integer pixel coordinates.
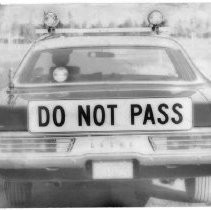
(44, 162)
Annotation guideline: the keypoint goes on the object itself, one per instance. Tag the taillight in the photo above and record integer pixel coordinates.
(186, 142)
(35, 145)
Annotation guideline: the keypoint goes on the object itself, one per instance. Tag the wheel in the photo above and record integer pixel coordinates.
(18, 193)
(199, 189)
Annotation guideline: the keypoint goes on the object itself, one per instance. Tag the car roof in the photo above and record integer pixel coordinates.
(94, 41)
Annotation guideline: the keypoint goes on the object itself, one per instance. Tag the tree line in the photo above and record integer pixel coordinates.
(196, 27)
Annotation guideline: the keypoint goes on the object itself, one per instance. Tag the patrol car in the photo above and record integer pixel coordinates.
(93, 105)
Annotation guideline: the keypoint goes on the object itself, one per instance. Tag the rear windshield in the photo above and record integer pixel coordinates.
(69, 65)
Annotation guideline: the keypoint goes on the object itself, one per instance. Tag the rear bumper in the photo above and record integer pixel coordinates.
(85, 173)
(32, 161)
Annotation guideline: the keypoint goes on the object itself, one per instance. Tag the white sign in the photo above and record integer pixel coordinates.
(150, 114)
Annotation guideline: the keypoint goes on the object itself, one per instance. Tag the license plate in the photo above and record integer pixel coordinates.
(112, 170)
(151, 114)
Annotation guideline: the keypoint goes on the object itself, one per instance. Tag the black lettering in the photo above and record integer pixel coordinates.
(84, 114)
(97, 121)
(42, 109)
(111, 107)
(62, 112)
(180, 117)
(160, 109)
(134, 112)
(149, 115)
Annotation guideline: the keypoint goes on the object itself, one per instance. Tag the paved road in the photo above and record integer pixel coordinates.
(49, 195)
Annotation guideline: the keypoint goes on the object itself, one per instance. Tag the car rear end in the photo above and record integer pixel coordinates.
(111, 113)
(141, 106)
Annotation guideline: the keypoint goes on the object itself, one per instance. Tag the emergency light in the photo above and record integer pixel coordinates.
(155, 19)
(51, 20)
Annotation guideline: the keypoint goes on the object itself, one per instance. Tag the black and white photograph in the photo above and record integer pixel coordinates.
(105, 105)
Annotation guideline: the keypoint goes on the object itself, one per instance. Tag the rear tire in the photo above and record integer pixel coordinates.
(18, 194)
(199, 189)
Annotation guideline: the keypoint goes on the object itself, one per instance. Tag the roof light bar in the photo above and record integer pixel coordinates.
(51, 21)
(80, 31)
